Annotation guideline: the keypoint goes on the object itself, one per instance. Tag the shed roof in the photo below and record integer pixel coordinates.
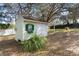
(34, 19)
(30, 20)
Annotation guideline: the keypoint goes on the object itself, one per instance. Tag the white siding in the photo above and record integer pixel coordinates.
(19, 28)
(21, 33)
(39, 29)
(26, 35)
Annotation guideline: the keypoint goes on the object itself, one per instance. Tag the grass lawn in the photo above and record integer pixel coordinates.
(64, 30)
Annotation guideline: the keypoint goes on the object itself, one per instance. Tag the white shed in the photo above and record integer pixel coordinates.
(25, 28)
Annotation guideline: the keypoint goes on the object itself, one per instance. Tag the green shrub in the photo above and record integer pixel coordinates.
(6, 26)
(12, 26)
(3, 26)
(34, 44)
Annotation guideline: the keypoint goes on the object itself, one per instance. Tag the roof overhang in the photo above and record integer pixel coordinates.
(34, 21)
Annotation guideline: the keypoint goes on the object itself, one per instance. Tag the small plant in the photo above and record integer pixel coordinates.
(34, 44)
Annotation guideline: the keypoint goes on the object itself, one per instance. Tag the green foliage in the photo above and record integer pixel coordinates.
(12, 26)
(34, 44)
(6, 26)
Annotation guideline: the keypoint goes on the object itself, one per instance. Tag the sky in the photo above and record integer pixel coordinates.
(6, 19)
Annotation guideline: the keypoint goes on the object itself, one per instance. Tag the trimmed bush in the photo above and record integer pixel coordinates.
(34, 44)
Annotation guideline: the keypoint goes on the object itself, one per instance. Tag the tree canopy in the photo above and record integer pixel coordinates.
(43, 12)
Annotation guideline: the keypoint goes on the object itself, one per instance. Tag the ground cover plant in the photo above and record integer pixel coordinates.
(35, 43)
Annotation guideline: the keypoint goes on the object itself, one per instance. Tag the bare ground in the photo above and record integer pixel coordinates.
(59, 44)
(64, 44)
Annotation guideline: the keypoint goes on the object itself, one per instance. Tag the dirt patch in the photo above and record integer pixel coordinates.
(8, 46)
(59, 44)
(65, 43)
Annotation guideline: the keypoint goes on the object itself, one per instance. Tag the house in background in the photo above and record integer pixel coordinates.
(25, 28)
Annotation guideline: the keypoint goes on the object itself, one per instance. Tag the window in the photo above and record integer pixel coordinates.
(29, 28)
